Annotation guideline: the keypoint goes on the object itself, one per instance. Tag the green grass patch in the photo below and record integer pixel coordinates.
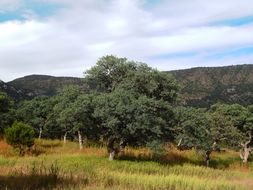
(66, 167)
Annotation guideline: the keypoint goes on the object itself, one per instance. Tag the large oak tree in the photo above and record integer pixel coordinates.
(134, 105)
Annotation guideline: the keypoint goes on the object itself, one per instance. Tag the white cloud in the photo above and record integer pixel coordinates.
(71, 40)
(203, 39)
(9, 5)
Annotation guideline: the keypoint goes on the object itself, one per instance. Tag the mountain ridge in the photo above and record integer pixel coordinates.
(200, 86)
(37, 85)
(204, 86)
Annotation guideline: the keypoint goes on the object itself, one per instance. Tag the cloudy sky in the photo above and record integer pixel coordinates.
(66, 37)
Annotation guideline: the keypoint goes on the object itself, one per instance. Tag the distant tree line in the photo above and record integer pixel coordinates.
(127, 103)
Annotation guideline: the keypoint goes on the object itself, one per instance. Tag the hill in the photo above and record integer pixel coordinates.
(205, 86)
(38, 85)
(16, 94)
(200, 87)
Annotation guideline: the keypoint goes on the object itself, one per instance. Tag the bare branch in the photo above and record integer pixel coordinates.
(179, 143)
(250, 138)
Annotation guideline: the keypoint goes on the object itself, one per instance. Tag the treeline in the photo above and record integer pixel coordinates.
(126, 103)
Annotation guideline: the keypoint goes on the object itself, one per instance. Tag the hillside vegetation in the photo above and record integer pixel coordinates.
(15, 94)
(204, 86)
(38, 85)
(200, 87)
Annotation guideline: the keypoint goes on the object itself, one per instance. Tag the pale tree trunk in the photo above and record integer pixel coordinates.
(179, 143)
(40, 133)
(111, 149)
(80, 140)
(41, 128)
(65, 138)
(244, 154)
(245, 151)
(111, 155)
(208, 154)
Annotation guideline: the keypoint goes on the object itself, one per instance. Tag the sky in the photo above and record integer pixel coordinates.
(65, 37)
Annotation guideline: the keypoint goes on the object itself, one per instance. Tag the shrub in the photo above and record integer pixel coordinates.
(156, 147)
(20, 136)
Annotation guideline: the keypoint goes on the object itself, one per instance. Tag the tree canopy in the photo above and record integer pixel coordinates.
(129, 103)
(134, 104)
(6, 112)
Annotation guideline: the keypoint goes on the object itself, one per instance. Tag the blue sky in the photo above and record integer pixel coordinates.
(30, 9)
(235, 21)
(64, 38)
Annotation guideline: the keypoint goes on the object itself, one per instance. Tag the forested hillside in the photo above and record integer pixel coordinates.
(15, 94)
(204, 86)
(200, 87)
(38, 85)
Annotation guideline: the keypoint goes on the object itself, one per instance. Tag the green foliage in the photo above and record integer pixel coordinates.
(240, 118)
(4, 102)
(194, 129)
(35, 112)
(133, 119)
(204, 131)
(64, 111)
(65, 98)
(20, 136)
(108, 73)
(6, 112)
(134, 106)
(151, 83)
(78, 116)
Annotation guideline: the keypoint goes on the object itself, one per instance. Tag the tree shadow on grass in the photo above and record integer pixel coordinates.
(172, 159)
(36, 182)
(177, 159)
(219, 163)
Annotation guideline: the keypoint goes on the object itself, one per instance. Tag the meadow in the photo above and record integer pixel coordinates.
(54, 165)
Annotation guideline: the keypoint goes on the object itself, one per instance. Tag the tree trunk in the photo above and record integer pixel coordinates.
(112, 155)
(80, 140)
(245, 154)
(111, 149)
(40, 133)
(122, 146)
(207, 158)
(245, 151)
(65, 138)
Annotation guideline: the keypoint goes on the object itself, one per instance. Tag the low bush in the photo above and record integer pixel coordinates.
(20, 136)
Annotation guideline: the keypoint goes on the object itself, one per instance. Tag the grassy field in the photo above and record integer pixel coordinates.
(52, 165)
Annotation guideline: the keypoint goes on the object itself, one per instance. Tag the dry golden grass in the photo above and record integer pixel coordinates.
(5, 149)
(54, 165)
